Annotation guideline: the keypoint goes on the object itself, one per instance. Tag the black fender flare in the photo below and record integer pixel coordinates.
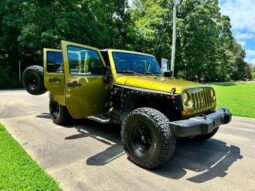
(125, 99)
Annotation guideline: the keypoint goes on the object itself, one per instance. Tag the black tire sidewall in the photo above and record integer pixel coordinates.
(130, 147)
(34, 72)
(163, 144)
(52, 106)
(63, 117)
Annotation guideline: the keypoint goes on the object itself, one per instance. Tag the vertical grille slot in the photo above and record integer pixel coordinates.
(197, 100)
(208, 98)
(194, 101)
(200, 100)
(205, 100)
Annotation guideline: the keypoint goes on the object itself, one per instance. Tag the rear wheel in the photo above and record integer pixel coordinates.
(59, 113)
(147, 138)
(205, 137)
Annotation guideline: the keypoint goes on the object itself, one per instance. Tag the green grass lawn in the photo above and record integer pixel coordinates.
(17, 169)
(238, 97)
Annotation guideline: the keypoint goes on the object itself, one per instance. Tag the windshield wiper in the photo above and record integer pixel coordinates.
(151, 73)
(140, 74)
(132, 72)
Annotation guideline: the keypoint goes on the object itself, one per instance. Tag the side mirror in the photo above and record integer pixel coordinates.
(164, 65)
(168, 73)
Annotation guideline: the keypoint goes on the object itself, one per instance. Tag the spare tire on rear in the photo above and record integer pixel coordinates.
(33, 80)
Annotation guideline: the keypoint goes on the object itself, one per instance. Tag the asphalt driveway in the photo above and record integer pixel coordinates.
(89, 156)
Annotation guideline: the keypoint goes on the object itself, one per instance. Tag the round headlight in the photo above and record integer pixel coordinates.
(190, 103)
(185, 98)
(212, 93)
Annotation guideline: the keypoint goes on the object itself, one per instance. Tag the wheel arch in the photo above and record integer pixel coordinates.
(126, 99)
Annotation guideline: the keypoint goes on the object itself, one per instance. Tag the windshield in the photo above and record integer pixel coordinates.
(135, 63)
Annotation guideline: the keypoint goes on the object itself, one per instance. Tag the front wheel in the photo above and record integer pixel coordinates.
(59, 113)
(147, 138)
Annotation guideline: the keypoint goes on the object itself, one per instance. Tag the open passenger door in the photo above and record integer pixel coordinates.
(86, 91)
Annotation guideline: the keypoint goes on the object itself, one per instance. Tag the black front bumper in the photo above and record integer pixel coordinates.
(200, 125)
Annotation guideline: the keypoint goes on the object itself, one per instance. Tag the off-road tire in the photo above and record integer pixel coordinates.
(161, 142)
(33, 80)
(59, 113)
(201, 138)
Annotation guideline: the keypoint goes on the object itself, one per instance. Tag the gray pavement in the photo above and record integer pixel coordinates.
(89, 156)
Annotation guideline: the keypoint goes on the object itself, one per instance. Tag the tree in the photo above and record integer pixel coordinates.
(206, 48)
(29, 26)
(197, 50)
(11, 20)
(151, 18)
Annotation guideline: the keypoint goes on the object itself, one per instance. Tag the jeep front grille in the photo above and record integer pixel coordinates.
(200, 101)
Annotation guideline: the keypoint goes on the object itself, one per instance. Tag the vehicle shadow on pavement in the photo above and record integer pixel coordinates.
(44, 115)
(108, 134)
(209, 159)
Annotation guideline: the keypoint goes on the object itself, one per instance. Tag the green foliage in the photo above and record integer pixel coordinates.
(238, 97)
(198, 40)
(206, 48)
(8, 78)
(17, 170)
(152, 19)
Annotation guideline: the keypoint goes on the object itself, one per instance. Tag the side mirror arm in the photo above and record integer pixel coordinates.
(108, 74)
(168, 73)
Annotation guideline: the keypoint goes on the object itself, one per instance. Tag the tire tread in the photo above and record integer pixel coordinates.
(163, 129)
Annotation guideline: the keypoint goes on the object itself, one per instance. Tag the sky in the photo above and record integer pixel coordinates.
(242, 16)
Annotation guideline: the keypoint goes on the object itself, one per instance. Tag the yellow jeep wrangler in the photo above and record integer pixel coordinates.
(127, 88)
